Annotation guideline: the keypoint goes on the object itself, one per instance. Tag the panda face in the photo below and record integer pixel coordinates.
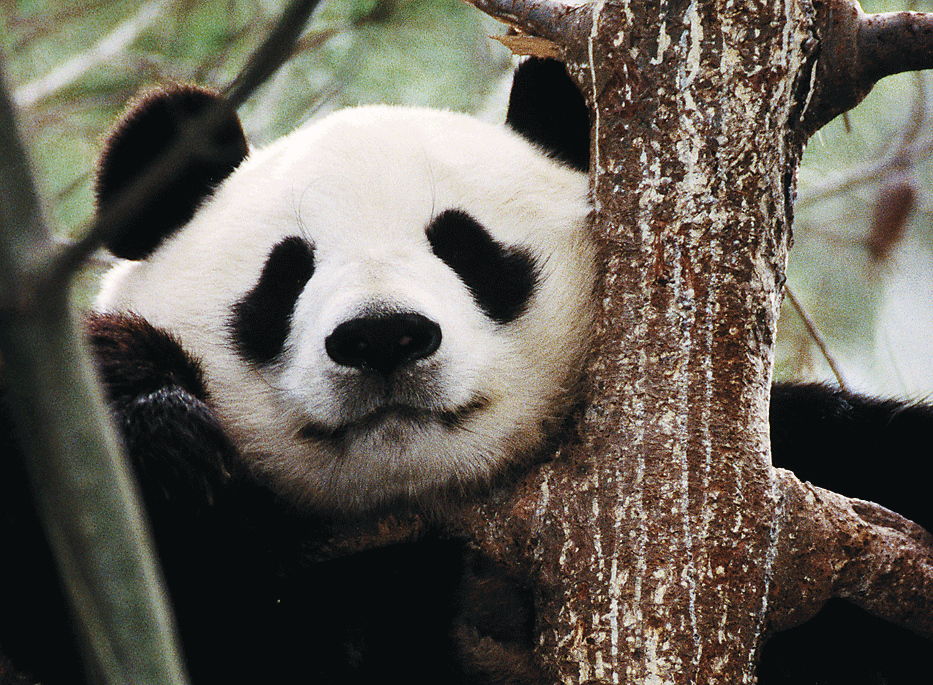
(385, 304)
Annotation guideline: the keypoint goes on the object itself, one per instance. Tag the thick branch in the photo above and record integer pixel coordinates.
(564, 24)
(895, 42)
(89, 507)
(87, 501)
(856, 50)
(832, 546)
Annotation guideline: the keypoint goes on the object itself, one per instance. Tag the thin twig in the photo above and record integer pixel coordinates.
(190, 144)
(272, 54)
(867, 172)
(907, 149)
(817, 336)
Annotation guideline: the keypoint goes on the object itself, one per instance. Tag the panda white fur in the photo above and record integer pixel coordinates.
(387, 326)
(385, 308)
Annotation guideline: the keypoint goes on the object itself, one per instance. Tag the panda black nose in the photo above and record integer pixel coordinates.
(383, 342)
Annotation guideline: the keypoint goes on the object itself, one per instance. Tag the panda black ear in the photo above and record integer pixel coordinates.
(149, 128)
(547, 108)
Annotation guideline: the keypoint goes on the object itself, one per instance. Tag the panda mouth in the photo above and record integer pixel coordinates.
(451, 419)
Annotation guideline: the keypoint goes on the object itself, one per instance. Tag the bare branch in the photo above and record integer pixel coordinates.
(856, 50)
(267, 58)
(816, 336)
(563, 23)
(105, 49)
(272, 54)
(88, 504)
(831, 545)
(895, 42)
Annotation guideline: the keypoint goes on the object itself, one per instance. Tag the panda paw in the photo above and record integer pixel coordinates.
(178, 448)
(181, 453)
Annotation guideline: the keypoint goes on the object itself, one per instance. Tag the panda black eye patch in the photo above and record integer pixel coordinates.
(261, 320)
(501, 279)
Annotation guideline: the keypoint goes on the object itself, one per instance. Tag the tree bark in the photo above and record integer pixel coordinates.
(662, 545)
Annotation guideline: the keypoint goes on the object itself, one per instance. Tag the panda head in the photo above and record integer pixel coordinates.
(387, 303)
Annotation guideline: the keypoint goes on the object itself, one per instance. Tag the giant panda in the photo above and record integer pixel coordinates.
(384, 310)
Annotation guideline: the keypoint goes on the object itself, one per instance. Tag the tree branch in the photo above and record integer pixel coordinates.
(833, 546)
(83, 491)
(894, 42)
(816, 336)
(265, 60)
(564, 24)
(661, 546)
(856, 50)
(105, 49)
(273, 53)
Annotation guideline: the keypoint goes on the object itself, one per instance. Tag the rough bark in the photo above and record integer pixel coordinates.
(830, 545)
(663, 546)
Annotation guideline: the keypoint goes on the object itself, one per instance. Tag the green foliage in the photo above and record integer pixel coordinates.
(865, 278)
(74, 64)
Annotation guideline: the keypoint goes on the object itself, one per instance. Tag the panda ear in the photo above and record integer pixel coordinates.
(547, 108)
(150, 127)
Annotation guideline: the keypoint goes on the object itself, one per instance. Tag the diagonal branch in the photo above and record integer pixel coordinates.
(268, 57)
(111, 45)
(83, 488)
(90, 509)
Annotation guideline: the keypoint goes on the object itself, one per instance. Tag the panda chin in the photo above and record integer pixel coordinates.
(394, 421)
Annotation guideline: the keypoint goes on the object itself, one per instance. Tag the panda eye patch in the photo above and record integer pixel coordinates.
(501, 279)
(262, 318)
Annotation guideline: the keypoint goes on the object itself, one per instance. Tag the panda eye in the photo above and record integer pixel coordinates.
(262, 319)
(501, 279)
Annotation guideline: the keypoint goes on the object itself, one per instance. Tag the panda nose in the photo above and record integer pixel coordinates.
(383, 342)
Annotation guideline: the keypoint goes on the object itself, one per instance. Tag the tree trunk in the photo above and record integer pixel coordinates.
(663, 547)
(681, 526)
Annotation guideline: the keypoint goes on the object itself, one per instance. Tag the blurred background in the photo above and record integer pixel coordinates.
(861, 267)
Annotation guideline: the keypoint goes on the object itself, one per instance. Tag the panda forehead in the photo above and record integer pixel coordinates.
(377, 176)
(361, 185)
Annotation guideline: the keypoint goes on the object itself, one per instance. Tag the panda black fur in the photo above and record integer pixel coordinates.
(420, 308)
(385, 282)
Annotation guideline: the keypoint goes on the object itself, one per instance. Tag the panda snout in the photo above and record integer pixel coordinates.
(383, 342)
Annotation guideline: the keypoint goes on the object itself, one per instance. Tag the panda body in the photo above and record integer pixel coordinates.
(366, 235)
(384, 309)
